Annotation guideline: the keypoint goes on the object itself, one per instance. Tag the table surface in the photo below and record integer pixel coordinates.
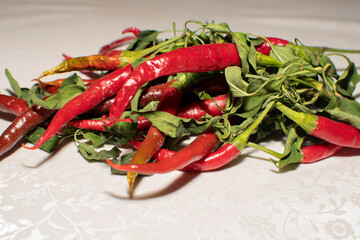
(62, 196)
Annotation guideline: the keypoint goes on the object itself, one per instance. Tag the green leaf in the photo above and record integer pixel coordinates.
(238, 86)
(174, 126)
(122, 132)
(347, 82)
(72, 87)
(143, 40)
(125, 159)
(73, 79)
(292, 152)
(49, 145)
(90, 153)
(218, 28)
(283, 53)
(345, 110)
(241, 43)
(13, 83)
(96, 139)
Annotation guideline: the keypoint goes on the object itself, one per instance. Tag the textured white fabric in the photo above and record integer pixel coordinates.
(65, 197)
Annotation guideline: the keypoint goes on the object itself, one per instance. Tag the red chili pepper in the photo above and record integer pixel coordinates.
(212, 161)
(90, 74)
(265, 47)
(97, 92)
(335, 132)
(193, 110)
(102, 62)
(169, 102)
(198, 109)
(202, 58)
(98, 125)
(227, 152)
(153, 93)
(317, 152)
(224, 155)
(25, 122)
(13, 105)
(93, 62)
(196, 150)
(107, 49)
(53, 86)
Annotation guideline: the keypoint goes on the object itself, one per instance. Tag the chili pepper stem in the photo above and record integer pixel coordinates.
(265, 60)
(101, 62)
(334, 50)
(241, 140)
(264, 149)
(304, 120)
(142, 53)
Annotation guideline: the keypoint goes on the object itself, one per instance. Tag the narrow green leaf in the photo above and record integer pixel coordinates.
(292, 152)
(90, 153)
(125, 159)
(13, 83)
(143, 40)
(122, 132)
(345, 110)
(97, 140)
(174, 126)
(347, 82)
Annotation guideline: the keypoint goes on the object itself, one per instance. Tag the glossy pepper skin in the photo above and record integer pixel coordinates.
(229, 152)
(169, 102)
(197, 149)
(338, 133)
(13, 105)
(202, 58)
(265, 47)
(104, 88)
(25, 122)
(212, 161)
(194, 110)
(317, 152)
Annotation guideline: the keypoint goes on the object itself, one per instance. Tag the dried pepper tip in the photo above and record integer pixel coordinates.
(92, 62)
(131, 176)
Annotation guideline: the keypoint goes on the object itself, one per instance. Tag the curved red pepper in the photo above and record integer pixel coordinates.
(265, 47)
(196, 150)
(317, 152)
(107, 49)
(97, 92)
(169, 102)
(335, 132)
(203, 58)
(338, 133)
(198, 109)
(212, 161)
(194, 110)
(25, 122)
(13, 105)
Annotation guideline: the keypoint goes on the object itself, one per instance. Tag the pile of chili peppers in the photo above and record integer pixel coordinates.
(227, 90)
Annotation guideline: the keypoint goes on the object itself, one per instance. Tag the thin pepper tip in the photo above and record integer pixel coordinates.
(30, 148)
(131, 176)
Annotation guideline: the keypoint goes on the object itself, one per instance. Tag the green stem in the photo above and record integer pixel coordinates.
(304, 120)
(335, 50)
(267, 61)
(128, 57)
(240, 141)
(265, 150)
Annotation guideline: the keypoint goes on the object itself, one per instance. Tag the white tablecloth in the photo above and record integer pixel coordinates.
(62, 196)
